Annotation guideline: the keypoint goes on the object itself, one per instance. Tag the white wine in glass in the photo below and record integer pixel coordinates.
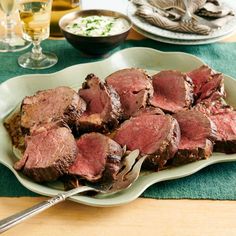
(10, 41)
(35, 18)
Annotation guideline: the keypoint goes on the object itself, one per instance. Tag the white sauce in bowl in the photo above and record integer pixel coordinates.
(97, 26)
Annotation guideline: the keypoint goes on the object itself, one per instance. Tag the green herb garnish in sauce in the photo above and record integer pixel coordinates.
(97, 26)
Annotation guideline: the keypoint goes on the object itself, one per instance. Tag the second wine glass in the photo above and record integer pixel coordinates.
(10, 41)
(35, 18)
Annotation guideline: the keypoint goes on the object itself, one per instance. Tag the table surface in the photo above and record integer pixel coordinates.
(140, 217)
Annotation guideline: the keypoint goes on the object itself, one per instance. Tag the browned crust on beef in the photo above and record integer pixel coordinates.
(69, 109)
(111, 169)
(56, 168)
(215, 107)
(52, 172)
(106, 120)
(185, 156)
(225, 146)
(113, 162)
(189, 92)
(112, 154)
(208, 84)
(149, 110)
(131, 95)
(199, 152)
(13, 126)
(163, 151)
(166, 151)
(74, 110)
(226, 134)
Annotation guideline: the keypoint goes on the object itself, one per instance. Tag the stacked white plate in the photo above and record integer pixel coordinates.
(166, 36)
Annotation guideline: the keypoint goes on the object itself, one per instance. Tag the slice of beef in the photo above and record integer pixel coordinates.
(173, 91)
(210, 107)
(48, 154)
(224, 117)
(155, 135)
(103, 106)
(97, 156)
(49, 105)
(226, 132)
(207, 83)
(197, 134)
(134, 88)
(200, 76)
(149, 110)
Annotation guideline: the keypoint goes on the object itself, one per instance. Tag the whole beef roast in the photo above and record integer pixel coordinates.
(98, 156)
(49, 153)
(197, 134)
(207, 84)
(155, 135)
(134, 88)
(61, 103)
(173, 91)
(103, 106)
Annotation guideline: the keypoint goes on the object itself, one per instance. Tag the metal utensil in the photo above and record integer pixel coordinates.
(205, 22)
(129, 173)
(188, 17)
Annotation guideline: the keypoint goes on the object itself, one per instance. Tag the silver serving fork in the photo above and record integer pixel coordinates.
(129, 173)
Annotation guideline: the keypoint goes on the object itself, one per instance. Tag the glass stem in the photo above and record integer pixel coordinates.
(9, 27)
(36, 51)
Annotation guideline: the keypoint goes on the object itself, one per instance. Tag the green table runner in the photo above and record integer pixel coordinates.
(214, 182)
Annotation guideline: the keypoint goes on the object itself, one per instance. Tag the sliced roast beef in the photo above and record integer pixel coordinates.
(226, 132)
(173, 91)
(48, 154)
(210, 107)
(224, 117)
(103, 106)
(197, 134)
(155, 135)
(149, 110)
(97, 156)
(207, 83)
(134, 88)
(61, 103)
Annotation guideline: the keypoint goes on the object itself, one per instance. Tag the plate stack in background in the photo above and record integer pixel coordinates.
(152, 15)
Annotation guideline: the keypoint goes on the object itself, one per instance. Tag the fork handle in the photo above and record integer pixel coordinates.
(186, 5)
(17, 218)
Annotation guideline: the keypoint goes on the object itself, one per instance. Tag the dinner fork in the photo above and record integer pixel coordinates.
(187, 17)
(186, 13)
(128, 174)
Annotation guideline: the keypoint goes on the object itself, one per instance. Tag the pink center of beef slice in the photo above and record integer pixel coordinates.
(170, 91)
(91, 158)
(146, 133)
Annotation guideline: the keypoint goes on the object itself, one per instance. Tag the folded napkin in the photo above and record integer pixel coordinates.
(167, 14)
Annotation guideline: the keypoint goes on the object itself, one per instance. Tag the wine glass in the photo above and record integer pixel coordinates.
(10, 42)
(35, 18)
